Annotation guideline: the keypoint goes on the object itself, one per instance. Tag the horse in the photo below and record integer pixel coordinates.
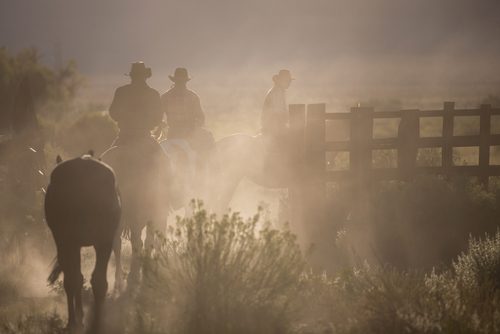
(257, 158)
(235, 157)
(143, 174)
(188, 182)
(82, 208)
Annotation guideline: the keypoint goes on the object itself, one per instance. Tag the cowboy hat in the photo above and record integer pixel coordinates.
(139, 69)
(181, 74)
(282, 75)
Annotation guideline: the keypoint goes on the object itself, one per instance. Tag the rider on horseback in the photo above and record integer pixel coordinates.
(142, 168)
(185, 118)
(275, 111)
(136, 108)
(274, 121)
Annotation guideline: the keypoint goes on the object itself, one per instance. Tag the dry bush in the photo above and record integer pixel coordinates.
(427, 222)
(222, 276)
(380, 299)
(34, 324)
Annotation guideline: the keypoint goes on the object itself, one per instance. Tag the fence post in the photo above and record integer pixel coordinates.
(408, 134)
(315, 189)
(484, 146)
(297, 114)
(447, 153)
(360, 157)
(315, 141)
(360, 163)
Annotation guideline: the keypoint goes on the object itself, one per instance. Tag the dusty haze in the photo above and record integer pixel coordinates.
(340, 51)
(390, 53)
(385, 53)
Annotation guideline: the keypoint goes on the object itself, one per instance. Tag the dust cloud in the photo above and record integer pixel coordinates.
(389, 54)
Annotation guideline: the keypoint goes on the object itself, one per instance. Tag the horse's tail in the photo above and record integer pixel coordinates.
(56, 271)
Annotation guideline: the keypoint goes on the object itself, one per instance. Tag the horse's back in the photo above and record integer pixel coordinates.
(236, 139)
(81, 170)
(82, 200)
(143, 173)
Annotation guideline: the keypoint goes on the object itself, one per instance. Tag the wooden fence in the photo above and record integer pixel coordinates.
(311, 126)
(308, 125)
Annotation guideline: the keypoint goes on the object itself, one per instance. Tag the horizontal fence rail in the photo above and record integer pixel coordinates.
(361, 143)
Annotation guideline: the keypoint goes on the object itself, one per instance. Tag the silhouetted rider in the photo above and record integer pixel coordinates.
(182, 107)
(275, 125)
(274, 118)
(136, 107)
(185, 118)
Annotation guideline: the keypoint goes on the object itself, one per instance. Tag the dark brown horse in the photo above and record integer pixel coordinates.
(82, 208)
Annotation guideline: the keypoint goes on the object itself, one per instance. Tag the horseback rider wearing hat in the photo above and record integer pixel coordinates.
(185, 117)
(136, 107)
(182, 107)
(274, 121)
(275, 110)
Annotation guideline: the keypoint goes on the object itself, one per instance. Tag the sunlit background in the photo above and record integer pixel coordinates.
(389, 54)
(339, 51)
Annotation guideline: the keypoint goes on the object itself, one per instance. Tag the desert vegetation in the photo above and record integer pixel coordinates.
(232, 275)
(423, 258)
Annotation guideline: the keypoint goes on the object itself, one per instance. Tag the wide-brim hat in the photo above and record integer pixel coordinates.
(180, 74)
(283, 75)
(139, 69)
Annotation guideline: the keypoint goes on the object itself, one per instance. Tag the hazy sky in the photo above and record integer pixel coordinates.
(103, 35)
(391, 40)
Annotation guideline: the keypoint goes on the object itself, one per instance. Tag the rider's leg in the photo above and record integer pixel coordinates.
(150, 238)
(117, 250)
(135, 265)
(203, 143)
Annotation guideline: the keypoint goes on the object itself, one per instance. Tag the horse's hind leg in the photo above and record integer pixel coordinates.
(99, 282)
(117, 249)
(226, 194)
(149, 242)
(69, 259)
(135, 265)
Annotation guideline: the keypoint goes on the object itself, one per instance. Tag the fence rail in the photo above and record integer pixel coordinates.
(309, 123)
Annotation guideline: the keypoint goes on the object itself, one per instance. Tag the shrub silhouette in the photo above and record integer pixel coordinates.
(406, 216)
(464, 298)
(224, 275)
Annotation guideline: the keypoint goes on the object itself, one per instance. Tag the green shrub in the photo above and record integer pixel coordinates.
(224, 275)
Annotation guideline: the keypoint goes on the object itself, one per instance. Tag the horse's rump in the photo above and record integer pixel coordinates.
(82, 203)
(143, 174)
